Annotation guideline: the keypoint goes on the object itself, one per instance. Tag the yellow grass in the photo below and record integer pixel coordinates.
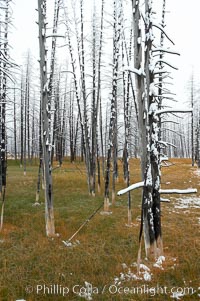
(29, 260)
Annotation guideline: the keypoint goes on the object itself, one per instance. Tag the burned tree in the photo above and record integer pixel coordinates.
(46, 121)
(5, 75)
(149, 99)
(112, 134)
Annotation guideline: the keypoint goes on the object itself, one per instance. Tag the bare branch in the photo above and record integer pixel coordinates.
(164, 111)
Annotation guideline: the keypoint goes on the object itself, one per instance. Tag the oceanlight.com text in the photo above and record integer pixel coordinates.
(89, 289)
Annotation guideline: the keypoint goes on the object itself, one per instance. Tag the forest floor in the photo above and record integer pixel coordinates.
(100, 264)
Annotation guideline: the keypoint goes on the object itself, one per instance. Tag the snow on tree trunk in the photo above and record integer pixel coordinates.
(22, 124)
(139, 82)
(148, 126)
(45, 106)
(15, 124)
(3, 97)
(151, 195)
(112, 135)
(127, 134)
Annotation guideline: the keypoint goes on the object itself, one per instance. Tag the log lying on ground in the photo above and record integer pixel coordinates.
(161, 191)
(178, 191)
(131, 187)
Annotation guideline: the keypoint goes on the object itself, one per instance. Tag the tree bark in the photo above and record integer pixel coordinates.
(45, 105)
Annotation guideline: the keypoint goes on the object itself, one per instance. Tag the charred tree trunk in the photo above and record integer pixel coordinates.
(85, 109)
(40, 157)
(127, 132)
(22, 124)
(3, 101)
(192, 118)
(45, 106)
(148, 125)
(112, 139)
(15, 125)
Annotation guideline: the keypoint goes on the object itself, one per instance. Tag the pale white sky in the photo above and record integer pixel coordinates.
(24, 35)
(182, 27)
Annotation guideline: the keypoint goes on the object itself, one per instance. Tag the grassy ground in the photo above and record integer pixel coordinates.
(33, 267)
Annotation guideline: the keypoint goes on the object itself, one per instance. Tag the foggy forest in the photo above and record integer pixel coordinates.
(99, 157)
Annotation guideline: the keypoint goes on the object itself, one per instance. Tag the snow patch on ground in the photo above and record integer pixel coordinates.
(185, 203)
(127, 275)
(159, 262)
(177, 295)
(87, 293)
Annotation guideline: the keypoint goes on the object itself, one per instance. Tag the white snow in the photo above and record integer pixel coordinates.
(147, 276)
(177, 295)
(158, 263)
(144, 267)
(163, 158)
(144, 274)
(178, 191)
(153, 108)
(164, 200)
(87, 293)
(185, 203)
(131, 187)
(149, 177)
(152, 89)
(134, 70)
(139, 40)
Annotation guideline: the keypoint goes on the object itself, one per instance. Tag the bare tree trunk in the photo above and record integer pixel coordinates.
(28, 119)
(33, 135)
(22, 124)
(85, 116)
(94, 110)
(52, 68)
(3, 98)
(45, 105)
(148, 125)
(26, 104)
(64, 130)
(40, 157)
(112, 144)
(192, 117)
(15, 126)
(127, 132)
(71, 125)
(101, 138)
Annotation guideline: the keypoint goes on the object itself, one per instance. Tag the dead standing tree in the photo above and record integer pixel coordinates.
(149, 114)
(5, 74)
(45, 116)
(89, 126)
(112, 135)
(54, 36)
